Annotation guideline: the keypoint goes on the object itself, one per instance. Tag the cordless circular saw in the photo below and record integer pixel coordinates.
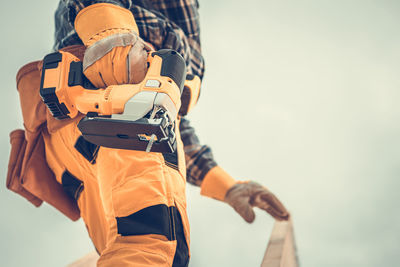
(129, 116)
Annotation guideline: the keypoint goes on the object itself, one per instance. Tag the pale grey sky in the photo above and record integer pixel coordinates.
(301, 96)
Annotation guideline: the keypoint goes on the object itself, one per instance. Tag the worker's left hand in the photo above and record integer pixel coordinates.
(243, 196)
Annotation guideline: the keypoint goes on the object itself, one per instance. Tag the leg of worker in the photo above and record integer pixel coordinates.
(73, 162)
(130, 242)
(145, 206)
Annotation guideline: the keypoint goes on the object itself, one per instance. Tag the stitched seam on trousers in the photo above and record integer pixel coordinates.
(147, 251)
(143, 205)
(141, 174)
(123, 183)
(162, 200)
(70, 147)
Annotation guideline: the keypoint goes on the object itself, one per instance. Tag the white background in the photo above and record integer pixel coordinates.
(302, 96)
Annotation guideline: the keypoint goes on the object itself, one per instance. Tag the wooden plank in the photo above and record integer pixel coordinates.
(281, 249)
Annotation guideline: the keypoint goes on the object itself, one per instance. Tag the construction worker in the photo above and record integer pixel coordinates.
(133, 202)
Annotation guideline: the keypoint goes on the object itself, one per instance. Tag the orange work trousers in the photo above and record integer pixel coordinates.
(132, 202)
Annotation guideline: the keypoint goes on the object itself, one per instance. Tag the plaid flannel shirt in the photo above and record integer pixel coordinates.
(164, 24)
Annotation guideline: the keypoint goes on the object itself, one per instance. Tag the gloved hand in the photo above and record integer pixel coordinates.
(242, 196)
(115, 53)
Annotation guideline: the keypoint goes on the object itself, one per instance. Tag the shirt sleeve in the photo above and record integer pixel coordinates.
(185, 15)
(199, 158)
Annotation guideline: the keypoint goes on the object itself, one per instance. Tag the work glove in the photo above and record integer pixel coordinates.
(242, 196)
(115, 54)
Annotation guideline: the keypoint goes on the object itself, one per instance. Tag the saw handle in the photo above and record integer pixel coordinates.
(190, 94)
(76, 76)
(173, 66)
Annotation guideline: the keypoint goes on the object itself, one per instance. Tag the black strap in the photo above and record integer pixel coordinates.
(71, 185)
(158, 219)
(87, 149)
(181, 258)
(171, 160)
(150, 220)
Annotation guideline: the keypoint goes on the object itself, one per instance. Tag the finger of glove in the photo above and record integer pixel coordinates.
(111, 69)
(120, 69)
(271, 204)
(106, 67)
(100, 73)
(137, 63)
(262, 198)
(245, 210)
(277, 215)
(94, 76)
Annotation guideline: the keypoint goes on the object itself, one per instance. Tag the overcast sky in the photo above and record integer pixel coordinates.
(301, 96)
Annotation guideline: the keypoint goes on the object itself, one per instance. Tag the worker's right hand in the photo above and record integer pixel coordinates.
(242, 196)
(115, 54)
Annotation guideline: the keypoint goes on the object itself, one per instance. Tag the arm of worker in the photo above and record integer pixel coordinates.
(203, 171)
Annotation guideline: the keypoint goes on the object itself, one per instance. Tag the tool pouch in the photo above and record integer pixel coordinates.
(17, 153)
(28, 172)
(29, 175)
